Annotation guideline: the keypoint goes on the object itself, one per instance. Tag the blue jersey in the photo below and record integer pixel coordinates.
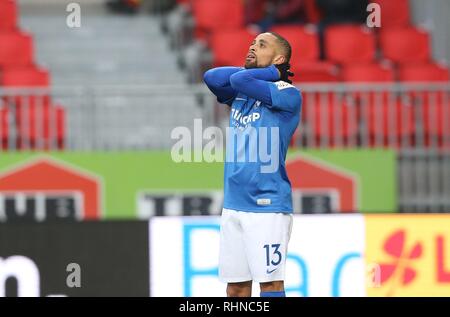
(264, 115)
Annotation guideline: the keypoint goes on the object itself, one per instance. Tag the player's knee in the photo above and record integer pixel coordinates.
(239, 289)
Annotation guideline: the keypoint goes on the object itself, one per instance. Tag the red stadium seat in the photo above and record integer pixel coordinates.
(8, 15)
(433, 113)
(348, 44)
(432, 106)
(330, 120)
(42, 128)
(304, 42)
(315, 72)
(226, 54)
(405, 45)
(4, 128)
(16, 49)
(25, 77)
(394, 13)
(313, 13)
(390, 124)
(213, 15)
(424, 73)
(60, 126)
(368, 73)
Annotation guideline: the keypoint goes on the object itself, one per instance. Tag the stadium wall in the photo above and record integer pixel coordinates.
(329, 255)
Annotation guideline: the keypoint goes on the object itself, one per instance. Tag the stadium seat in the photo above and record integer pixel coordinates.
(231, 55)
(25, 77)
(348, 44)
(328, 119)
(394, 13)
(390, 124)
(42, 128)
(323, 106)
(405, 45)
(432, 107)
(313, 13)
(4, 128)
(368, 73)
(425, 72)
(304, 42)
(8, 15)
(60, 126)
(214, 15)
(433, 113)
(314, 72)
(16, 49)
(387, 121)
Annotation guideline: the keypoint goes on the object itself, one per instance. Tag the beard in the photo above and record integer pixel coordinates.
(251, 64)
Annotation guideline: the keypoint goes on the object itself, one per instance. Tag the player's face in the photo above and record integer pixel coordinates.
(262, 52)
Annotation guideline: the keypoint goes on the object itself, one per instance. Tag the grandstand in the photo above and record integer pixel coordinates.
(374, 88)
(123, 82)
(87, 118)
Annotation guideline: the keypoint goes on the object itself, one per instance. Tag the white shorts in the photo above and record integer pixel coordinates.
(253, 246)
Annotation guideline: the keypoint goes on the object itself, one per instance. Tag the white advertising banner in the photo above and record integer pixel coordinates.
(325, 256)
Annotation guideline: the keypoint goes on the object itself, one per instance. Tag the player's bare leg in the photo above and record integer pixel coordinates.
(272, 289)
(240, 289)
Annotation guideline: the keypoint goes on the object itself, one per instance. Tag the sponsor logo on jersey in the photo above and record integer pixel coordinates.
(283, 85)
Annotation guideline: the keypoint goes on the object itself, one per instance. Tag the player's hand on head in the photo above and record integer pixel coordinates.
(285, 73)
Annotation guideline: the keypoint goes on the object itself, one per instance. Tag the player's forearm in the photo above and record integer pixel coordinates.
(270, 73)
(218, 81)
(220, 77)
(255, 82)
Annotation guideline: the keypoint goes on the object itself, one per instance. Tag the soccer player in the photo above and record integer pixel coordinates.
(257, 211)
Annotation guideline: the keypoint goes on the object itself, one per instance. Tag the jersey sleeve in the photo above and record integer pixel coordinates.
(255, 82)
(263, 84)
(285, 97)
(218, 81)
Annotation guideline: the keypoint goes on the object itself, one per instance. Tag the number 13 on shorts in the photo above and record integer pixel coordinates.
(273, 255)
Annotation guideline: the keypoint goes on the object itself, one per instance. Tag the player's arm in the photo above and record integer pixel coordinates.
(218, 81)
(255, 82)
(258, 83)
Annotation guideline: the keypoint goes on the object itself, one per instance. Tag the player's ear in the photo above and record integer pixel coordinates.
(279, 59)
